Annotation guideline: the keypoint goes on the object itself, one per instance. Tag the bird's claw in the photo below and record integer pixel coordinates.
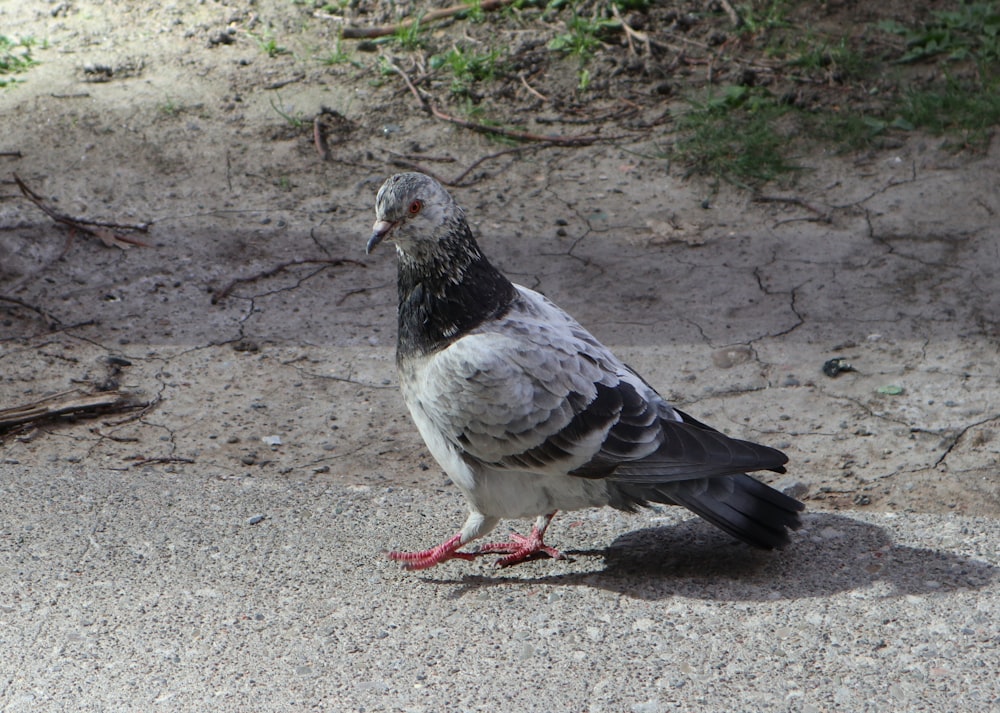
(521, 549)
(436, 555)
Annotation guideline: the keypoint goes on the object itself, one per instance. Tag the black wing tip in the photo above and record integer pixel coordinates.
(747, 509)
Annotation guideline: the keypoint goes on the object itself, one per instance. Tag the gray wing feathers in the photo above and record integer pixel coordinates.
(536, 392)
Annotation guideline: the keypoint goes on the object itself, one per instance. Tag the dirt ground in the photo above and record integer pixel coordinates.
(259, 337)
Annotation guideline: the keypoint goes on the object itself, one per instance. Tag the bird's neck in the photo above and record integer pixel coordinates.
(446, 294)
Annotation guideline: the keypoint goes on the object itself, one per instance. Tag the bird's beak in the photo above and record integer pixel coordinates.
(381, 229)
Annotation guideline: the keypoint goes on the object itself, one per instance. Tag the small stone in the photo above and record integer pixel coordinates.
(255, 519)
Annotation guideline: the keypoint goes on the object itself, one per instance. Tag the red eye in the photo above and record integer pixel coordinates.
(415, 207)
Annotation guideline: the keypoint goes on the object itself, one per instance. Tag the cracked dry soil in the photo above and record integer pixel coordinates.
(261, 337)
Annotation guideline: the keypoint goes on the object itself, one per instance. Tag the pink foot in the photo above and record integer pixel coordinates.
(521, 549)
(428, 558)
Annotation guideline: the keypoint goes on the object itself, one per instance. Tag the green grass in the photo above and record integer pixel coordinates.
(297, 121)
(339, 56)
(746, 136)
(15, 57)
(581, 40)
(832, 58)
(763, 15)
(269, 44)
(468, 67)
(954, 109)
(734, 136)
(410, 36)
(971, 31)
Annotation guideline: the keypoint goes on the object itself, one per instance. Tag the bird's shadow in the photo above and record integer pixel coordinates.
(832, 554)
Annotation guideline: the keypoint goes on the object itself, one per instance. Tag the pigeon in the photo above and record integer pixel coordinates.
(528, 413)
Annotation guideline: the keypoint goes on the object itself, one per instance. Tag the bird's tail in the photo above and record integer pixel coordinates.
(742, 506)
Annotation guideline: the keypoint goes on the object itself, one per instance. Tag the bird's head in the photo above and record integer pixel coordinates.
(415, 212)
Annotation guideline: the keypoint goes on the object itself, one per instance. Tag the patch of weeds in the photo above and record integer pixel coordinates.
(971, 31)
(475, 12)
(581, 41)
(734, 136)
(410, 36)
(837, 61)
(955, 107)
(170, 107)
(637, 5)
(269, 44)
(335, 8)
(15, 57)
(760, 16)
(339, 56)
(296, 122)
(468, 67)
(850, 131)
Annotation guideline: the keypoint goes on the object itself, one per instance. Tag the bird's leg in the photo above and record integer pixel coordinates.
(520, 548)
(475, 526)
(436, 555)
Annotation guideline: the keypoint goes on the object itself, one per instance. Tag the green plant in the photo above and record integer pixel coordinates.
(954, 108)
(734, 136)
(339, 56)
(269, 44)
(837, 60)
(581, 38)
(971, 31)
(297, 121)
(475, 12)
(467, 67)
(334, 8)
(410, 35)
(581, 41)
(170, 107)
(761, 16)
(15, 57)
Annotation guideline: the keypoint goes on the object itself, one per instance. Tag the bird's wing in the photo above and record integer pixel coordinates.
(534, 391)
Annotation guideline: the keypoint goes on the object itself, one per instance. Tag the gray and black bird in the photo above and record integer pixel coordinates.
(529, 414)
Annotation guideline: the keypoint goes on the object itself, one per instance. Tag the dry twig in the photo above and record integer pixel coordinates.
(66, 403)
(733, 15)
(367, 33)
(103, 231)
(319, 140)
(271, 272)
(52, 319)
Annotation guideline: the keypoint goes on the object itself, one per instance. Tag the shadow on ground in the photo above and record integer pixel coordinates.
(834, 554)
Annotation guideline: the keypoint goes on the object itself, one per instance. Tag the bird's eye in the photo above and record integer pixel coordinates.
(415, 207)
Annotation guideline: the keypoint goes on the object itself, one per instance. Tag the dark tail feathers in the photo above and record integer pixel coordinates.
(742, 506)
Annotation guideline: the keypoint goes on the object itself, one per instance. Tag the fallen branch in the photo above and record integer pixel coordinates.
(457, 181)
(367, 33)
(271, 272)
(103, 231)
(319, 140)
(792, 200)
(734, 16)
(52, 319)
(66, 403)
(631, 33)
